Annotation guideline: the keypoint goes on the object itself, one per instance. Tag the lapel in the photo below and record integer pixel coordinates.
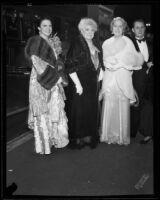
(86, 49)
(100, 56)
(149, 45)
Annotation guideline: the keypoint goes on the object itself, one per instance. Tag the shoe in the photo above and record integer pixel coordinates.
(93, 144)
(146, 141)
(72, 145)
(11, 189)
(80, 146)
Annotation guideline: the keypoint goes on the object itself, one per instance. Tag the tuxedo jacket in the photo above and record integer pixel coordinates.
(140, 77)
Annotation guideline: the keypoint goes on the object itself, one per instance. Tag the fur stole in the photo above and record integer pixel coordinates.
(37, 46)
(86, 48)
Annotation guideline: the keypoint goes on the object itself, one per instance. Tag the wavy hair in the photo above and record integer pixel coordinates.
(124, 23)
(87, 22)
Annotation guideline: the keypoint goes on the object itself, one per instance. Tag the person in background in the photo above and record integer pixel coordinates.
(120, 59)
(47, 117)
(84, 65)
(142, 115)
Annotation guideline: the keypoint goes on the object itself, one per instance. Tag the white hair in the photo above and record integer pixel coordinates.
(87, 22)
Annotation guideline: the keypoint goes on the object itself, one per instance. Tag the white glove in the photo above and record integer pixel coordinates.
(79, 89)
(77, 83)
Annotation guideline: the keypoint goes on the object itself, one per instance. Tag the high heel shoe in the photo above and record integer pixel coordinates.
(146, 140)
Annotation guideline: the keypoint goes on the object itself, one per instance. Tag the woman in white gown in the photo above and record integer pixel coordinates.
(120, 58)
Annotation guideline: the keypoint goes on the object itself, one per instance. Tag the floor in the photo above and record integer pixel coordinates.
(106, 170)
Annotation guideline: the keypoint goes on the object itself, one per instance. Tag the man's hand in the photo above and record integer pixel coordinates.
(149, 65)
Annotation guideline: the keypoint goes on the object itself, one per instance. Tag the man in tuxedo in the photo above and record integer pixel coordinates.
(142, 114)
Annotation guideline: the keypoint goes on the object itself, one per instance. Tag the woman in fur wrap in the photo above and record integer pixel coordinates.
(47, 117)
(120, 58)
(84, 64)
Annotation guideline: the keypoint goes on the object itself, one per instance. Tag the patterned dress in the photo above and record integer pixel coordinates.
(47, 117)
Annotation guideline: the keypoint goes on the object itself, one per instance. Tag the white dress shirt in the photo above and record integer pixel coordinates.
(143, 49)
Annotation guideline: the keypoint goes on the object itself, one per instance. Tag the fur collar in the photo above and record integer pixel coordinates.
(38, 46)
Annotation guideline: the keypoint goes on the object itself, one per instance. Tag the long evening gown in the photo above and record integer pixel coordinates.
(47, 117)
(83, 109)
(117, 89)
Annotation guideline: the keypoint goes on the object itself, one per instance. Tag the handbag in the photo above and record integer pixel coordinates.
(48, 78)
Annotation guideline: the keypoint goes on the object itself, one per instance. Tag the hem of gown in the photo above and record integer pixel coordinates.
(119, 143)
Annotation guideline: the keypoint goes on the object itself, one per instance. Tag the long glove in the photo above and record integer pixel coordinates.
(77, 83)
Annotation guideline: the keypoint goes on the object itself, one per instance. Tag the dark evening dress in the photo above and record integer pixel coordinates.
(82, 110)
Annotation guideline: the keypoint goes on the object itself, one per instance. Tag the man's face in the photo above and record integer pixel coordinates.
(139, 29)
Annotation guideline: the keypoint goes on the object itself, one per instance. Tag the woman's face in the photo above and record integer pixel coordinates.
(45, 28)
(118, 28)
(88, 32)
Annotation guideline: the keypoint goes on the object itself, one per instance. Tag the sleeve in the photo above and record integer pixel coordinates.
(38, 64)
(76, 58)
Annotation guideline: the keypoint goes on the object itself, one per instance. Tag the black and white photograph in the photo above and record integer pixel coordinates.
(80, 100)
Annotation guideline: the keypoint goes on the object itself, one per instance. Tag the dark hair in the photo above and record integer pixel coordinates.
(39, 21)
(138, 20)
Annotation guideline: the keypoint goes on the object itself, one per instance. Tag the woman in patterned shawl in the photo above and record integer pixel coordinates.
(47, 117)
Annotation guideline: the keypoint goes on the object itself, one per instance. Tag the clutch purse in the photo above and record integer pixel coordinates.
(48, 78)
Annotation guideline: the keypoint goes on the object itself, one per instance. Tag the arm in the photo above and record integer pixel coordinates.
(41, 65)
(38, 64)
(76, 58)
(77, 83)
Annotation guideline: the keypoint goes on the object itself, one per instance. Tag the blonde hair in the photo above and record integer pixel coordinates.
(124, 23)
(87, 22)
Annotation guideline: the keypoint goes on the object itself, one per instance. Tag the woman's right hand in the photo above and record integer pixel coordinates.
(79, 89)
